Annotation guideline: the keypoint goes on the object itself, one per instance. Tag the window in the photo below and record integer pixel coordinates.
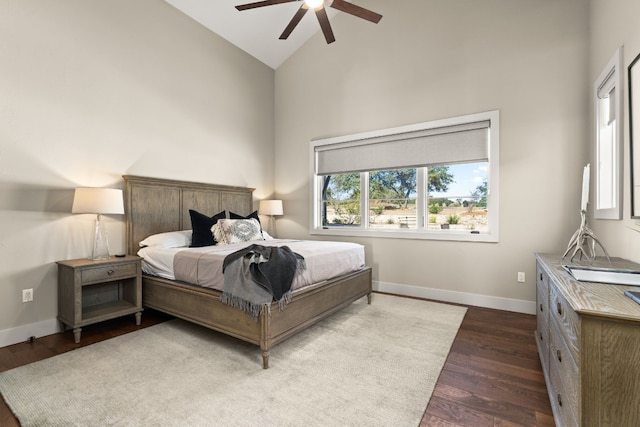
(393, 198)
(341, 200)
(434, 180)
(608, 153)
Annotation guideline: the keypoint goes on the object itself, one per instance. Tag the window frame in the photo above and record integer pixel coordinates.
(492, 235)
(610, 79)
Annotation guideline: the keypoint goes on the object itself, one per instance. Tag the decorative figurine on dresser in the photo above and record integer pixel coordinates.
(583, 241)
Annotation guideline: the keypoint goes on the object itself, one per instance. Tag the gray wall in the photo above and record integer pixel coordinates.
(91, 90)
(429, 60)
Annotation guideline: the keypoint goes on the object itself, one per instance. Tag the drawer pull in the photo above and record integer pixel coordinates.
(541, 337)
(559, 355)
(541, 277)
(110, 272)
(559, 306)
(559, 397)
(541, 308)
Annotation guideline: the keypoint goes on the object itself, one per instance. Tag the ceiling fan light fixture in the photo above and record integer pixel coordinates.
(314, 4)
(319, 7)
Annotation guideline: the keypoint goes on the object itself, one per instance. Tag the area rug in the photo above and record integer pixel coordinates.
(367, 365)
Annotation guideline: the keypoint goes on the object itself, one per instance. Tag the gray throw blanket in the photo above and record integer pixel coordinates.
(257, 275)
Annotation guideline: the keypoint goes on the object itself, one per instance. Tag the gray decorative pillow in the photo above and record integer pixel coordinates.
(227, 231)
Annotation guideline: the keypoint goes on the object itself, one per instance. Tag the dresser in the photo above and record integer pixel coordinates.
(588, 337)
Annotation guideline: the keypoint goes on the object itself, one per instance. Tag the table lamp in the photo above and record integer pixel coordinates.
(271, 208)
(98, 201)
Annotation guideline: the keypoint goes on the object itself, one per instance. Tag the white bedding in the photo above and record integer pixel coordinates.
(324, 260)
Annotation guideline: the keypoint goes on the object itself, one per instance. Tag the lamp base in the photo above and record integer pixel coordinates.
(100, 242)
(272, 221)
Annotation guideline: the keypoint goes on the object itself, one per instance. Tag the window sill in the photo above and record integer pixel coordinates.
(453, 235)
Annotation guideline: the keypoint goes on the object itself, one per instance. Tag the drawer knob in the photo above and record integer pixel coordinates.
(541, 337)
(110, 272)
(559, 397)
(559, 306)
(541, 308)
(559, 355)
(541, 277)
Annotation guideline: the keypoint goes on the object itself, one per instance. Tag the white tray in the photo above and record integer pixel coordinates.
(604, 275)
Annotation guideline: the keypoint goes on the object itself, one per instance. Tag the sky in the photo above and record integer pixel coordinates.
(467, 178)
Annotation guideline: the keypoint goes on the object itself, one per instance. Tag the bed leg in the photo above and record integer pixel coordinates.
(369, 298)
(265, 359)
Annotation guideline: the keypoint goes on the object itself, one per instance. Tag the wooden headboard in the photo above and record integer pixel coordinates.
(154, 205)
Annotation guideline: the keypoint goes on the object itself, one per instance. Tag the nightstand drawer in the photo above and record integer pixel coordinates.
(107, 273)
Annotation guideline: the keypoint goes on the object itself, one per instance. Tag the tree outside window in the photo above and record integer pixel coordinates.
(393, 199)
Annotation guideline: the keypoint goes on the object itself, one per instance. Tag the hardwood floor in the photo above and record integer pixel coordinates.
(492, 376)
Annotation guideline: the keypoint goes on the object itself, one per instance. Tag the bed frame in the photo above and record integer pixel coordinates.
(158, 205)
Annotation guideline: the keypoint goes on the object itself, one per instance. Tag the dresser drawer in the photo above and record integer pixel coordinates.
(565, 371)
(567, 321)
(542, 310)
(564, 414)
(542, 324)
(542, 279)
(107, 273)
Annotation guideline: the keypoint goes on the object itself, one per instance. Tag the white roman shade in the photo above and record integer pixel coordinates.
(607, 90)
(468, 142)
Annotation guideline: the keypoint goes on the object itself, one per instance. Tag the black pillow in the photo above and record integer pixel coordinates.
(201, 226)
(253, 215)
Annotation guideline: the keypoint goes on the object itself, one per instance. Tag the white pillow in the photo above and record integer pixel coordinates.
(228, 231)
(170, 239)
(266, 235)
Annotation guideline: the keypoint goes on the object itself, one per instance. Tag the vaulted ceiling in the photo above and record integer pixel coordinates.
(255, 31)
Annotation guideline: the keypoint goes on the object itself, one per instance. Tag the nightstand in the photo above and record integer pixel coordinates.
(93, 291)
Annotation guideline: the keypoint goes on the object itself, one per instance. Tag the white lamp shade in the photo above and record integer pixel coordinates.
(270, 207)
(98, 201)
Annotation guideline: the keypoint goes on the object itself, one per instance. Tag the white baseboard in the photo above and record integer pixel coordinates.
(519, 306)
(24, 332)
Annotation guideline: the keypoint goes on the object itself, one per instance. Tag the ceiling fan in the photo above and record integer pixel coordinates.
(319, 7)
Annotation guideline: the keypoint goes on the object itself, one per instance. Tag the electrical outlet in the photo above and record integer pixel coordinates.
(27, 295)
(521, 276)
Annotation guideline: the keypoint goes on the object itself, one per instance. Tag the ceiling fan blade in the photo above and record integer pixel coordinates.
(261, 4)
(355, 10)
(294, 22)
(323, 19)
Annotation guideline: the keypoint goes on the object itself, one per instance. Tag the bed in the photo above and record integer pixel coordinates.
(156, 206)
